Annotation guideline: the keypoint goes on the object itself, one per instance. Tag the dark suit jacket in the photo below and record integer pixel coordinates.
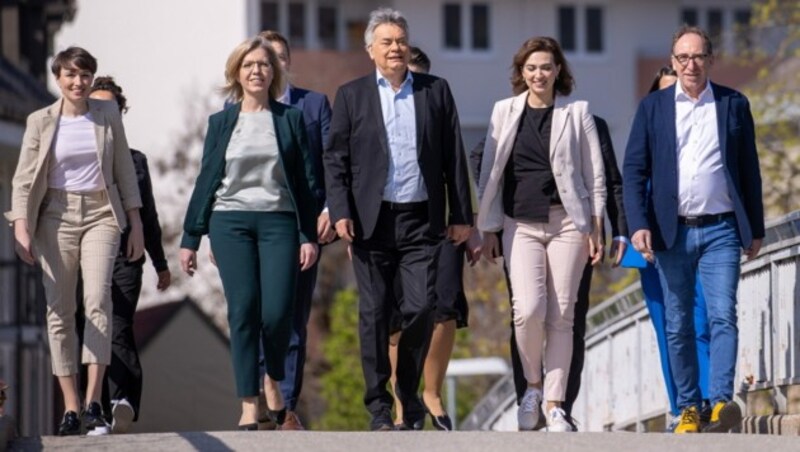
(614, 208)
(296, 161)
(651, 161)
(357, 154)
(317, 116)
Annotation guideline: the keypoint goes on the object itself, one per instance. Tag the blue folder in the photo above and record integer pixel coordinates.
(633, 258)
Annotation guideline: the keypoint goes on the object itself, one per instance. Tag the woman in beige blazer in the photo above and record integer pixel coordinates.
(542, 183)
(73, 193)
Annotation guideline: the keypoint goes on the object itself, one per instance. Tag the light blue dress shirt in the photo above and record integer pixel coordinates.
(404, 182)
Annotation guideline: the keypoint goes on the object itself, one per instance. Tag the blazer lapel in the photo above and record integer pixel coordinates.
(420, 99)
(49, 126)
(561, 114)
(508, 133)
(667, 128)
(721, 103)
(374, 109)
(231, 115)
(280, 124)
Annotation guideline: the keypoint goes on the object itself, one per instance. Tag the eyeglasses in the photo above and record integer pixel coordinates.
(684, 58)
(259, 65)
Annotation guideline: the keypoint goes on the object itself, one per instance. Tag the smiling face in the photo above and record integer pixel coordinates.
(74, 83)
(389, 50)
(540, 73)
(255, 74)
(691, 62)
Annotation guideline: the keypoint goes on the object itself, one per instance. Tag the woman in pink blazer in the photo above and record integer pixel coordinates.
(542, 183)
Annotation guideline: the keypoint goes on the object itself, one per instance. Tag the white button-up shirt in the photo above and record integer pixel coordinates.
(404, 182)
(702, 187)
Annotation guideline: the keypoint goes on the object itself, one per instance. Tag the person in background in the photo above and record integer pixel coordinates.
(254, 197)
(542, 183)
(73, 192)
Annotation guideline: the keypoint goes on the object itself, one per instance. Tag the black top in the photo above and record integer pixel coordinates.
(530, 188)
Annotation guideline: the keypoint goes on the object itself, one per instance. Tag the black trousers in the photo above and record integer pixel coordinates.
(123, 377)
(578, 345)
(401, 247)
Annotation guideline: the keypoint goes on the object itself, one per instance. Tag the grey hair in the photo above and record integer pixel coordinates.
(384, 16)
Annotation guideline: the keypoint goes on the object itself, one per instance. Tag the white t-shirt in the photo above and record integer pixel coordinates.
(75, 165)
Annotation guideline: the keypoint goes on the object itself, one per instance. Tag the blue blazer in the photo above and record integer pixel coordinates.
(651, 157)
(317, 116)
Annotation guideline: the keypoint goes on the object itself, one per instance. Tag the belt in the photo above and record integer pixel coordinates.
(704, 220)
(405, 206)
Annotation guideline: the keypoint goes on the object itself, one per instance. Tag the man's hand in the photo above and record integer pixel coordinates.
(135, 248)
(188, 261)
(491, 247)
(325, 232)
(344, 229)
(164, 280)
(22, 242)
(458, 233)
(643, 242)
(616, 252)
(754, 249)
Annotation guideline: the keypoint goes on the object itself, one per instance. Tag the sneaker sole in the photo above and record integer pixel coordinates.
(729, 417)
(122, 418)
(98, 431)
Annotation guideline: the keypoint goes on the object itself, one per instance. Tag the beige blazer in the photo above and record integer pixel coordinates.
(574, 155)
(30, 179)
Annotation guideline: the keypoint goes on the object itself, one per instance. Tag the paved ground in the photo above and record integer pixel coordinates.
(412, 441)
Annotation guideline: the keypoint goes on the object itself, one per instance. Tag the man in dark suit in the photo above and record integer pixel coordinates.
(317, 118)
(394, 164)
(692, 191)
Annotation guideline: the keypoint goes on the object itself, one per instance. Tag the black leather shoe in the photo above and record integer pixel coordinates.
(70, 425)
(381, 421)
(249, 427)
(277, 416)
(442, 422)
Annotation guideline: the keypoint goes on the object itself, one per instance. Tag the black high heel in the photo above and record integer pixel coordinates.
(443, 422)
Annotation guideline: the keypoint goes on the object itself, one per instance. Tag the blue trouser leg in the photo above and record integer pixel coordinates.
(654, 299)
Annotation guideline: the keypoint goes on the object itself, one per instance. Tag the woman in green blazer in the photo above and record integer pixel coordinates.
(254, 198)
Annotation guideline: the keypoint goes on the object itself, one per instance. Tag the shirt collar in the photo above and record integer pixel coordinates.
(706, 94)
(382, 81)
(285, 98)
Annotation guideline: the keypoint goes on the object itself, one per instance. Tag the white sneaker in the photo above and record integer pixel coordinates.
(122, 414)
(557, 421)
(529, 409)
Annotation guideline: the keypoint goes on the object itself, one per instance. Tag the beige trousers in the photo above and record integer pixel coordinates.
(545, 263)
(77, 231)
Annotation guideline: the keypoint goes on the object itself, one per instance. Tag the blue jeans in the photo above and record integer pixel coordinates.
(711, 253)
(654, 299)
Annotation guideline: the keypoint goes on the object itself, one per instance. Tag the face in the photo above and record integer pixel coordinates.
(666, 81)
(283, 55)
(389, 49)
(255, 74)
(540, 73)
(691, 62)
(74, 83)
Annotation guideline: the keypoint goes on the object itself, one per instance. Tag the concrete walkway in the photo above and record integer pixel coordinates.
(411, 441)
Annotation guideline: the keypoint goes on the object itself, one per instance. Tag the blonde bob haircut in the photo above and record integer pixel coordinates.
(233, 89)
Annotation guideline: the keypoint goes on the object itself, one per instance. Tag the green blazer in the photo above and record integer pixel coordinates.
(295, 160)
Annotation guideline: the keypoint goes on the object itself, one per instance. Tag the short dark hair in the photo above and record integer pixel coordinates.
(420, 59)
(73, 56)
(708, 47)
(565, 82)
(107, 83)
(272, 36)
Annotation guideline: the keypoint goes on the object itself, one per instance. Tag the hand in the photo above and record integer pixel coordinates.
(754, 249)
(344, 229)
(596, 251)
(211, 257)
(308, 255)
(22, 242)
(188, 261)
(164, 280)
(491, 247)
(642, 241)
(325, 232)
(616, 252)
(135, 247)
(474, 244)
(350, 252)
(458, 233)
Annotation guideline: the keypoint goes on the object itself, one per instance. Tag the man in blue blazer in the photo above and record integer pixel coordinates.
(317, 118)
(694, 145)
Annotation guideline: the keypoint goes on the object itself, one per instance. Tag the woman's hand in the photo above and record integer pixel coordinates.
(308, 255)
(135, 246)
(491, 246)
(474, 245)
(596, 241)
(188, 261)
(22, 241)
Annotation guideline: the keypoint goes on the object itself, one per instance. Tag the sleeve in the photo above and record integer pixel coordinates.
(455, 163)
(751, 176)
(149, 214)
(592, 163)
(636, 173)
(614, 207)
(192, 234)
(26, 168)
(305, 182)
(336, 160)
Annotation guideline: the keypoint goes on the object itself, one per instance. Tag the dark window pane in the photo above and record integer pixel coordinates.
(326, 21)
(566, 28)
(594, 29)
(297, 24)
(269, 15)
(741, 19)
(452, 26)
(689, 16)
(715, 26)
(480, 26)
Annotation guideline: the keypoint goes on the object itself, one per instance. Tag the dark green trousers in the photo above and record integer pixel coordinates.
(258, 258)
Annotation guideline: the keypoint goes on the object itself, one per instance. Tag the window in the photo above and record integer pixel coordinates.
(594, 29)
(452, 26)
(326, 21)
(480, 26)
(743, 39)
(715, 27)
(567, 28)
(269, 16)
(689, 16)
(297, 24)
